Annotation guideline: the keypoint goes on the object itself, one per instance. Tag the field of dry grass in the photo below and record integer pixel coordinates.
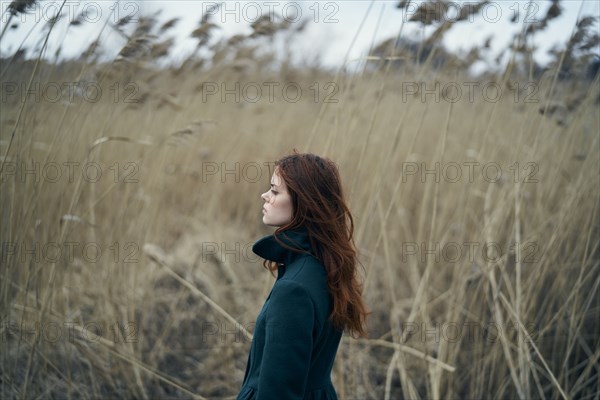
(129, 210)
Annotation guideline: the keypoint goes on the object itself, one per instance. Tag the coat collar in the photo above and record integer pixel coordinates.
(269, 249)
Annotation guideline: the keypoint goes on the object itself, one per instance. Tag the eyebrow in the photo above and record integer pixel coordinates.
(272, 184)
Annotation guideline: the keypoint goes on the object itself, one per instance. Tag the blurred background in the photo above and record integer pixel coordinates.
(136, 139)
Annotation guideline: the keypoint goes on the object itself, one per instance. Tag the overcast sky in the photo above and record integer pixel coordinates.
(328, 36)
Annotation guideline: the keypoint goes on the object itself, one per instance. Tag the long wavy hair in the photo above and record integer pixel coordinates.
(318, 204)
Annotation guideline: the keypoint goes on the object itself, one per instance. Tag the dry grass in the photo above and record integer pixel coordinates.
(529, 326)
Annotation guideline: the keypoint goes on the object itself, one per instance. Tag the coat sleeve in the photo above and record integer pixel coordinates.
(288, 343)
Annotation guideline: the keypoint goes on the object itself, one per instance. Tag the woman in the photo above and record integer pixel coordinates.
(316, 295)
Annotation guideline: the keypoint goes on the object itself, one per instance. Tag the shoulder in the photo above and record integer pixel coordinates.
(309, 274)
(289, 295)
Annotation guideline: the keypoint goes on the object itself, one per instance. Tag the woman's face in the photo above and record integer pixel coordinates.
(277, 210)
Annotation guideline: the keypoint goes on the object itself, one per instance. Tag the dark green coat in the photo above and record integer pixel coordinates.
(294, 342)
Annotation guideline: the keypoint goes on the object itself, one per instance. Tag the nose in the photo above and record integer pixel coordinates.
(264, 196)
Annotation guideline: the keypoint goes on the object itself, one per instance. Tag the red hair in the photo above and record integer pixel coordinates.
(318, 204)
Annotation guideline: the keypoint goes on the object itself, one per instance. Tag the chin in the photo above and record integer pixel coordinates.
(268, 223)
